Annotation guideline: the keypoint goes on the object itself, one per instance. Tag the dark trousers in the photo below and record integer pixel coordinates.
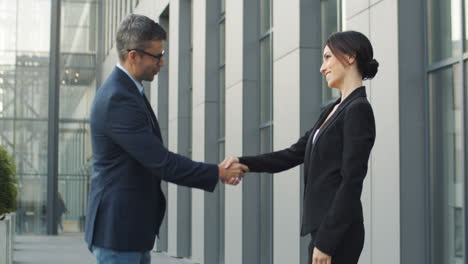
(350, 247)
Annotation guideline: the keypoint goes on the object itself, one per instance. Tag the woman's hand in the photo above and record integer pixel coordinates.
(229, 161)
(319, 257)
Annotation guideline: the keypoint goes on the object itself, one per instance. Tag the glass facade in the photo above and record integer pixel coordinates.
(24, 101)
(446, 76)
(444, 29)
(24, 88)
(447, 175)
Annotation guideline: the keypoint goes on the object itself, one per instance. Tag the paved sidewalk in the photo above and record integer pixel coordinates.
(70, 249)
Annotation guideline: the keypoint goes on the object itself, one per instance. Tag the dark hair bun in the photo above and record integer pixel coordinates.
(356, 44)
(370, 70)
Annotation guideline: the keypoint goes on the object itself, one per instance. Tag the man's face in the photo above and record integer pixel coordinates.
(148, 66)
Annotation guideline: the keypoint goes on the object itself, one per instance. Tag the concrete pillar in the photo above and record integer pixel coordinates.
(179, 205)
(205, 205)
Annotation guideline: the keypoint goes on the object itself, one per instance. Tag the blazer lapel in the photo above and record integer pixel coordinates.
(130, 85)
(359, 92)
(317, 124)
(322, 119)
(152, 116)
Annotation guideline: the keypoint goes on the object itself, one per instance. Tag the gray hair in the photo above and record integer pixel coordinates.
(134, 33)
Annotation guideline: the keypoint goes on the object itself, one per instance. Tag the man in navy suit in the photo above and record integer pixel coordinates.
(126, 204)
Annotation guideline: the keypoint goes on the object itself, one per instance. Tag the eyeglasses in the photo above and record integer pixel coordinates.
(157, 56)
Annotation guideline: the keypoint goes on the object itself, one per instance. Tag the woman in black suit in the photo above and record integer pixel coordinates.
(335, 153)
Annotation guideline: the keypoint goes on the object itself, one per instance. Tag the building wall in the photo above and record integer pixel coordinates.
(381, 196)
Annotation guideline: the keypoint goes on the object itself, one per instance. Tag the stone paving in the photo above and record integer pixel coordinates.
(69, 249)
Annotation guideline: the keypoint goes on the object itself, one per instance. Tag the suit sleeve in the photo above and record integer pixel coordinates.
(358, 140)
(279, 160)
(128, 126)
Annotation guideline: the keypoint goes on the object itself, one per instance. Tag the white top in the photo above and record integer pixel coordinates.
(315, 135)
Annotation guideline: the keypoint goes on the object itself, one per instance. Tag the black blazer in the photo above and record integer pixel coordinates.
(126, 205)
(334, 168)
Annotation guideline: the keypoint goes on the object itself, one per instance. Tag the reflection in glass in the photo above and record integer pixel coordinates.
(446, 165)
(444, 29)
(24, 87)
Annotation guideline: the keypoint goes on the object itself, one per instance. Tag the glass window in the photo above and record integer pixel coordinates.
(222, 198)
(331, 17)
(222, 45)
(266, 201)
(190, 74)
(121, 10)
(117, 11)
(113, 23)
(107, 26)
(223, 6)
(331, 11)
(78, 64)
(163, 117)
(266, 91)
(466, 24)
(222, 104)
(163, 85)
(446, 165)
(78, 26)
(265, 15)
(222, 122)
(266, 129)
(222, 77)
(444, 29)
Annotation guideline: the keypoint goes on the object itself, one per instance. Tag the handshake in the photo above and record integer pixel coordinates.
(231, 171)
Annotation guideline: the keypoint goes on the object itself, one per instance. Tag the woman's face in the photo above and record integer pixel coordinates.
(332, 68)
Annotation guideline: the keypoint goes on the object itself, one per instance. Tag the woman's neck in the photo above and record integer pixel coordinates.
(349, 85)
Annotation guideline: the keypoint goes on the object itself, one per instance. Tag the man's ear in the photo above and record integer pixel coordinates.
(131, 56)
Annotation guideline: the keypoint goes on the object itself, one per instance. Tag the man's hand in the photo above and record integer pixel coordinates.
(232, 175)
(233, 162)
(319, 257)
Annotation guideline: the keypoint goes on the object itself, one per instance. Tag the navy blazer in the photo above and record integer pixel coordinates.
(334, 168)
(126, 204)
